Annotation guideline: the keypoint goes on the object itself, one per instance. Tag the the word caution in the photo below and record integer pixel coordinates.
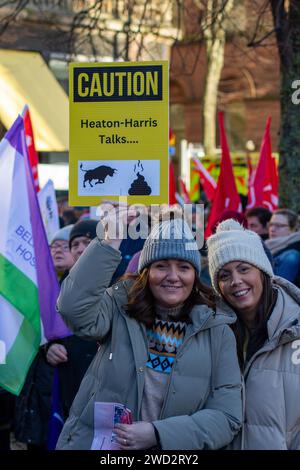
(140, 83)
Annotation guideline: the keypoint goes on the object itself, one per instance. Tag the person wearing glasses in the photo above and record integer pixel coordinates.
(60, 251)
(33, 405)
(284, 244)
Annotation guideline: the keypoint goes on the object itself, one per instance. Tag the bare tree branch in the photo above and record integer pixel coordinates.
(6, 20)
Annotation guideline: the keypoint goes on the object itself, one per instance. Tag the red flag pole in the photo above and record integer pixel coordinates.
(208, 183)
(226, 197)
(184, 192)
(172, 185)
(33, 156)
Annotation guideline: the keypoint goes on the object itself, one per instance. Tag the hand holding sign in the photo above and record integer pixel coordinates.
(114, 219)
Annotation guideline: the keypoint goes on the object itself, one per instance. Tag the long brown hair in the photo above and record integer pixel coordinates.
(260, 333)
(141, 303)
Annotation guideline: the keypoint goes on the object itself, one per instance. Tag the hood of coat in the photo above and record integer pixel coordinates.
(284, 323)
(204, 317)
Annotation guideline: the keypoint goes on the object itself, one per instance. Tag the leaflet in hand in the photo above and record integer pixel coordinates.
(106, 415)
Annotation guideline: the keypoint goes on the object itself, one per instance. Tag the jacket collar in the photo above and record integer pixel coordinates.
(204, 317)
(284, 322)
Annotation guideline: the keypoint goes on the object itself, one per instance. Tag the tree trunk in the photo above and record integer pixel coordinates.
(287, 20)
(215, 37)
(215, 62)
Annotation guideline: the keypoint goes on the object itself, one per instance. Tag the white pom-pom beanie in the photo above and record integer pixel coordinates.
(232, 242)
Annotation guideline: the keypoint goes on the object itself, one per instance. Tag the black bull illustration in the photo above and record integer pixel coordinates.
(99, 173)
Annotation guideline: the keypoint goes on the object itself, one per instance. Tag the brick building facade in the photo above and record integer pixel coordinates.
(248, 91)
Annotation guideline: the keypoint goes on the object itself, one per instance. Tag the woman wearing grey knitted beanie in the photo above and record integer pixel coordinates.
(165, 354)
(267, 331)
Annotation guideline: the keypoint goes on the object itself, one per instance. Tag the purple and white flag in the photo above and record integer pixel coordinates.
(28, 283)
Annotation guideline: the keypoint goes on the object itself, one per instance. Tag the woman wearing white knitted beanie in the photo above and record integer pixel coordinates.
(267, 331)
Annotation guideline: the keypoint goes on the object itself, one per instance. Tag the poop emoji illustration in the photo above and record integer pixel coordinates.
(139, 187)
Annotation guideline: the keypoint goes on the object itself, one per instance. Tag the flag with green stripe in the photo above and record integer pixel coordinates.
(28, 284)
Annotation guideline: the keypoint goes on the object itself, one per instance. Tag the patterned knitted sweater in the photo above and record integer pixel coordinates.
(164, 339)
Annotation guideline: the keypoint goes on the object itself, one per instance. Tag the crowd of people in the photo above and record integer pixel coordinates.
(202, 345)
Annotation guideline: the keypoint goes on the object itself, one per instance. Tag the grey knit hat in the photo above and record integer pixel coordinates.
(232, 242)
(170, 239)
(62, 234)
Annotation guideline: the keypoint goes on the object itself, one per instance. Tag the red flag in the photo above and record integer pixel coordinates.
(264, 188)
(208, 183)
(226, 197)
(172, 185)
(184, 192)
(33, 156)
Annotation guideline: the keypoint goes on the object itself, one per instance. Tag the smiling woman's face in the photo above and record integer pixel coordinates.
(171, 281)
(241, 285)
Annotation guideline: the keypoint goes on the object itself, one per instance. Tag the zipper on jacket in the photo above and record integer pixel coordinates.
(175, 363)
(243, 413)
(264, 349)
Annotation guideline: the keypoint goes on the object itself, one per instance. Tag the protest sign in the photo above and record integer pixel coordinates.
(119, 132)
(106, 415)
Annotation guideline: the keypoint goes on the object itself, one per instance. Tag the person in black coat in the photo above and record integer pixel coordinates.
(6, 418)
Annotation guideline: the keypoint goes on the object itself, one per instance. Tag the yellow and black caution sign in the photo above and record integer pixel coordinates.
(119, 132)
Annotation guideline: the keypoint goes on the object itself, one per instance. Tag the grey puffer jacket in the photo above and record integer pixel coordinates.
(272, 380)
(202, 408)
